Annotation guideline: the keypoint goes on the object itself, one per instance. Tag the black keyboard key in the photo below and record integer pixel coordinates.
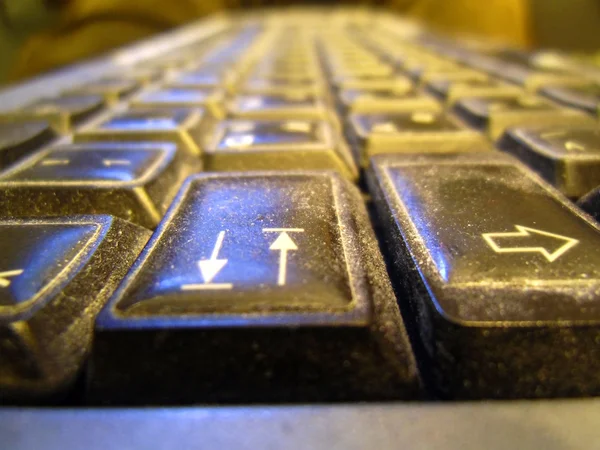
(208, 98)
(133, 181)
(456, 74)
(585, 97)
(184, 127)
(408, 132)
(278, 145)
(569, 158)
(62, 112)
(452, 90)
(19, 139)
(501, 274)
(497, 114)
(203, 79)
(112, 89)
(266, 87)
(55, 275)
(255, 288)
(383, 100)
(290, 105)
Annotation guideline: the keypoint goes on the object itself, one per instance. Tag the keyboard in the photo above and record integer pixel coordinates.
(302, 228)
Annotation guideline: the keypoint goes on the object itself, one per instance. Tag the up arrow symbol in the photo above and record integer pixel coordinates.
(209, 268)
(283, 243)
(525, 236)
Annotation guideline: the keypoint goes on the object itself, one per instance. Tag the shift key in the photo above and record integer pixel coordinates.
(500, 272)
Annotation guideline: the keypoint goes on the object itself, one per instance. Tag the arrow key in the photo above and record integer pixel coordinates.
(501, 275)
(275, 273)
(55, 275)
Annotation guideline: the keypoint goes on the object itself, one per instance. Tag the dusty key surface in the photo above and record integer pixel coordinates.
(408, 131)
(134, 181)
(183, 127)
(275, 273)
(500, 273)
(278, 145)
(55, 275)
(567, 157)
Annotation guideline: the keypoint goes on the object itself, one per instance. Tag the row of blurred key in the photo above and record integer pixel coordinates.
(280, 271)
(278, 106)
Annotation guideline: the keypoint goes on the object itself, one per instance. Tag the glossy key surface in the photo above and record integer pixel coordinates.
(500, 275)
(133, 181)
(183, 127)
(451, 90)
(279, 145)
(18, 139)
(569, 158)
(288, 105)
(55, 275)
(176, 97)
(496, 114)
(264, 271)
(411, 131)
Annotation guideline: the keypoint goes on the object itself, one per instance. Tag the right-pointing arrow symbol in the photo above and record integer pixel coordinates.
(525, 236)
(211, 267)
(283, 243)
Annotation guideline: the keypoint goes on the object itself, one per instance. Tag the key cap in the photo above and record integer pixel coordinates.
(278, 145)
(19, 139)
(569, 158)
(63, 113)
(133, 181)
(532, 80)
(180, 126)
(590, 203)
(451, 90)
(393, 84)
(457, 74)
(284, 106)
(382, 102)
(209, 98)
(278, 274)
(112, 89)
(495, 115)
(55, 275)
(258, 86)
(585, 97)
(501, 274)
(419, 131)
(205, 79)
(365, 75)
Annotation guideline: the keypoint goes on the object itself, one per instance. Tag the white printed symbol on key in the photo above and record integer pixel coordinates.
(209, 268)
(244, 140)
(4, 281)
(115, 162)
(524, 235)
(284, 244)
